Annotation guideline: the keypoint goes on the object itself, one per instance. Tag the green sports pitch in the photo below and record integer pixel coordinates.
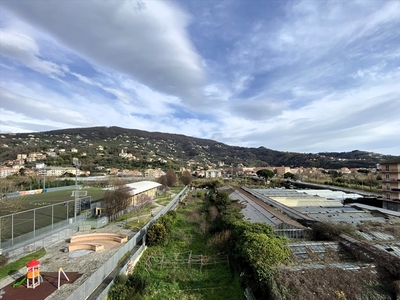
(41, 210)
(38, 200)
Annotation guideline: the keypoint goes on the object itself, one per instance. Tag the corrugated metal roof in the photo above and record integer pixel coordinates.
(345, 214)
(306, 201)
(142, 186)
(391, 248)
(382, 210)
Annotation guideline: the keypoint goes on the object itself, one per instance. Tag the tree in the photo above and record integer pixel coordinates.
(163, 180)
(168, 220)
(265, 173)
(142, 201)
(116, 199)
(262, 252)
(288, 175)
(371, 180)
(222, 200)
(156, 234)
(186, 177)
(171, 177)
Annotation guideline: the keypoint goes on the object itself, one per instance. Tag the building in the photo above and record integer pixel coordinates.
(6, 171)
(391, 184)
(213, 173)
(149, 188)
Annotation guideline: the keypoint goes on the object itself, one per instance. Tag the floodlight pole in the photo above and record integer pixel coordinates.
(77, 164)
(44, 178)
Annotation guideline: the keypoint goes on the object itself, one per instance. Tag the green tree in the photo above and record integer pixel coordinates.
(156, 234)
(265, 173)
(168, 220)
(288, 175)
(222, 200)
(263, 252)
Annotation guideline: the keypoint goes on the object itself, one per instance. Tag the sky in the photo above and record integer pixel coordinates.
(299, 76)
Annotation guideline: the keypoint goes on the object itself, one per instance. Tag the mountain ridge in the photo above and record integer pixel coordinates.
(177, 148)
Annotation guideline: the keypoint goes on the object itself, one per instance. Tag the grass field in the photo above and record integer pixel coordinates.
(41, 210)
(49, 198)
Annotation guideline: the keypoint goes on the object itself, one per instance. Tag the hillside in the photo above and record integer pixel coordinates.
(103, 146)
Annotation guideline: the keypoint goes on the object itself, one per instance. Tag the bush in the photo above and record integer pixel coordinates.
(119, 290)
(138, 282)
(157, 234)
(168, 220)
(3, 260)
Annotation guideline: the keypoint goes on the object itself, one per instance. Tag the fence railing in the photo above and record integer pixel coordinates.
(44, 237)
(87, 288)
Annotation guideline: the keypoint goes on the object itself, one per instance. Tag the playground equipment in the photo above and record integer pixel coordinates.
(18, 283)
(33, 277)
(59, 275)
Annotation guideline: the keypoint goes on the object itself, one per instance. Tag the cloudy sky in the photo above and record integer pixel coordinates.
(303, 76)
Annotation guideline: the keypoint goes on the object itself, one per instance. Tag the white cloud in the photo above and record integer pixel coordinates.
(21, 47)
(154, 50)
(300, 76)
(38, 110)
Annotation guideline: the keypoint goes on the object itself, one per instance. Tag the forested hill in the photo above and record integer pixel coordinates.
(104, 144)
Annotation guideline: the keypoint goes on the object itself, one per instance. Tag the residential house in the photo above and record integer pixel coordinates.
(7, 171)
(213, 173)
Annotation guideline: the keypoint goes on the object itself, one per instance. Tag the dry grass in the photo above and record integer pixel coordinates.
(331, 283)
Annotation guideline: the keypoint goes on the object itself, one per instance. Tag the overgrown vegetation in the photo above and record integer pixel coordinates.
(205, 250)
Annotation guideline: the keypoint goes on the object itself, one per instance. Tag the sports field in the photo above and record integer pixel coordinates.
(42, 210)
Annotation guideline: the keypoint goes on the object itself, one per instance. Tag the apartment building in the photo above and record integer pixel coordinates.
(391, 184)
(213, 173)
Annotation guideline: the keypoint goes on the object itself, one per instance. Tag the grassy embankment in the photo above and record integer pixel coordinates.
(185, 267)
(20, 263)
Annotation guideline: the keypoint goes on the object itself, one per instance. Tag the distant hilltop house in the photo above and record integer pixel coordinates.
(213, 173)
(7, 171)
(154, 173)
(390, 170)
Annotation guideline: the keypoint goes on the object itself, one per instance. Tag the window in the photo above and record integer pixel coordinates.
(387, 167)
(387, 177)
(388, 187)
(388, 196)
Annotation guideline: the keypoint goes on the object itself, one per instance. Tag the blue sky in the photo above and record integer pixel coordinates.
(302, 76)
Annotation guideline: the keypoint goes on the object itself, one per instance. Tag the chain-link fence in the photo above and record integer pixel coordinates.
(45, 236)
(26, 225)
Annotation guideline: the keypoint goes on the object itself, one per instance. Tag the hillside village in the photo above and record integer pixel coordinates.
(125, 152)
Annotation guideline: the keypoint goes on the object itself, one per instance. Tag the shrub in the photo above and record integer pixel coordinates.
(3, 260)
(157, 234)
(119, 290)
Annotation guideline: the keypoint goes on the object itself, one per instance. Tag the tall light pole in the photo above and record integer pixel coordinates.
(77, 164)
(44, 179)
(42, 172)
